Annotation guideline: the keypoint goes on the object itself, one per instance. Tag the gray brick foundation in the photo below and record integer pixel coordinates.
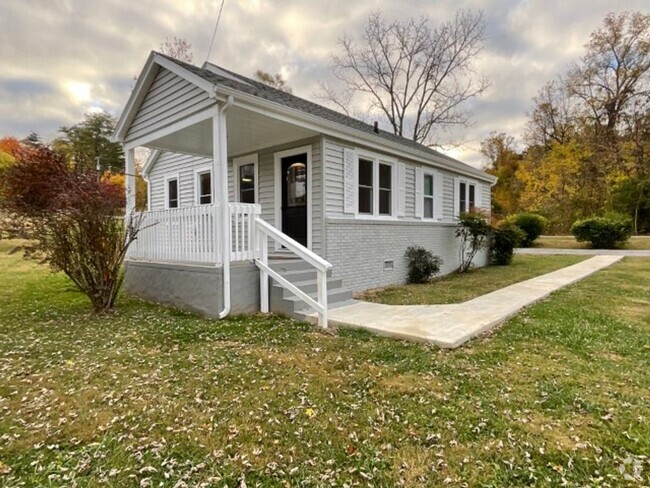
(358, 250)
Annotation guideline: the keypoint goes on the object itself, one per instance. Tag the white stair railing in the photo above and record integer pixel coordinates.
(264, 231)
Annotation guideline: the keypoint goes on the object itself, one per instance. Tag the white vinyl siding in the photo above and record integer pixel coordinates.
(169, 99)
(335, 187)
(184, 166)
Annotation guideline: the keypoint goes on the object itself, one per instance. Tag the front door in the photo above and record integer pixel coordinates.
(294, 197)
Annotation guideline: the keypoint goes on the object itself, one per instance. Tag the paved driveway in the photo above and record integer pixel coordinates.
(450, 326)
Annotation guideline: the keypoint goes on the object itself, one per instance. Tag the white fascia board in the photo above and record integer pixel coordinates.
(313, 122)
(135, 99)
(151, 160)
(147, 75)
(202, 83)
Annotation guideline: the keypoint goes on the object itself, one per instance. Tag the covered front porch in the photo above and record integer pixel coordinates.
(218, 204)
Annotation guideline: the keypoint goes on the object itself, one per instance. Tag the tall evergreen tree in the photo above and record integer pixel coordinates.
(88, 144)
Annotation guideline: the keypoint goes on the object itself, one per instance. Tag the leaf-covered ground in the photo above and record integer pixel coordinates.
(151, 396)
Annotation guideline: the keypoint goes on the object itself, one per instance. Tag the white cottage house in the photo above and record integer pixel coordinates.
(261, 200)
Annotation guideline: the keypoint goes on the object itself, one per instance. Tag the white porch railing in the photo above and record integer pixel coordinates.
(264, 231)
(242, 230)
(193, 234)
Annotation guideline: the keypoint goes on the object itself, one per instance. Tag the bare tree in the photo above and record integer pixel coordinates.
(415, 75)
(178, 48)
(616, 69)
(553, 116)
(276, 80)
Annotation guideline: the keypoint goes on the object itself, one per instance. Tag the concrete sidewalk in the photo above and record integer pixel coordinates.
(449, 326)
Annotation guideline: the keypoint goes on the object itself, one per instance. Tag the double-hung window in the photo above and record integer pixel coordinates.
(247, 183)
(375, 187)
(385, 189)
(366, 183)
(204, 187)
(171, 192)
(427, 195)
(245, 171)
(466, 196)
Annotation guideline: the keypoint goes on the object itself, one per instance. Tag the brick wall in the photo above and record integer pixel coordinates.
(358, 249)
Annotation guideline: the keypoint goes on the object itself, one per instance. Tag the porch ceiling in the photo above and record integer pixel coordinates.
(247, 132)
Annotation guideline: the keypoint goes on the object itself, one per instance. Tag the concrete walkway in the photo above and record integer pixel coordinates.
(585, 252)
(449, 326)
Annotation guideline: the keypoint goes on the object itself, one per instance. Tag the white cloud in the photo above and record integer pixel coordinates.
(64, 57)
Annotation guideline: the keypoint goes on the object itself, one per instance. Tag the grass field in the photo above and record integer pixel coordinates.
(569, 242)
(457, 288)
(151, 396)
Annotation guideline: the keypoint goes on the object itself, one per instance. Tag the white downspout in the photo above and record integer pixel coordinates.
(225, 204)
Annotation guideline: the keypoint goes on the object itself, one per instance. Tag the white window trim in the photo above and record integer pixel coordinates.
(476, 190)
(434, 175)
(243, 161)
(197, 184)
(394, 190)
(168, 178)
(277, 160)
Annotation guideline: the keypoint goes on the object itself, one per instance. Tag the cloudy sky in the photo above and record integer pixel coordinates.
(61, 58)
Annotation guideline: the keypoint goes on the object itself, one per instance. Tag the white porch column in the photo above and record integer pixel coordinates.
(129, 180)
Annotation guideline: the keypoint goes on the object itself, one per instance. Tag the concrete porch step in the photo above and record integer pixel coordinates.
(309, 287)
(292, 304)
(304, 276)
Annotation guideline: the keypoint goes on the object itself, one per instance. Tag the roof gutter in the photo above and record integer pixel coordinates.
(334, 129)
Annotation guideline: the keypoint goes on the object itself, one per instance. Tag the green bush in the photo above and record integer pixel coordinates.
(505, 237)
(473, 231)
(422, 264)
(602, 232)
(531, 223)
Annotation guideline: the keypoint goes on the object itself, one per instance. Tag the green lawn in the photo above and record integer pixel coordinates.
(569, 242)
(457, 288)
(151, 396)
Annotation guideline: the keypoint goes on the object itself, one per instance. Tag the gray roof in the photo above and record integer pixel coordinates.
(266, 92)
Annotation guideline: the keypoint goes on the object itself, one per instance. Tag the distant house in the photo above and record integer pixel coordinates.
(248, 182)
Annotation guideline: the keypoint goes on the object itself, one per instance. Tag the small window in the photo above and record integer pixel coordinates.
(172, 193)
(466, 197)
(204, 185)
(366, 178)
(385, 189)
(247, 183)
(427, 193)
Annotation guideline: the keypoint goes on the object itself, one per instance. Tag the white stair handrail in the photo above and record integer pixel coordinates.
(311, 257)
(264, 231)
